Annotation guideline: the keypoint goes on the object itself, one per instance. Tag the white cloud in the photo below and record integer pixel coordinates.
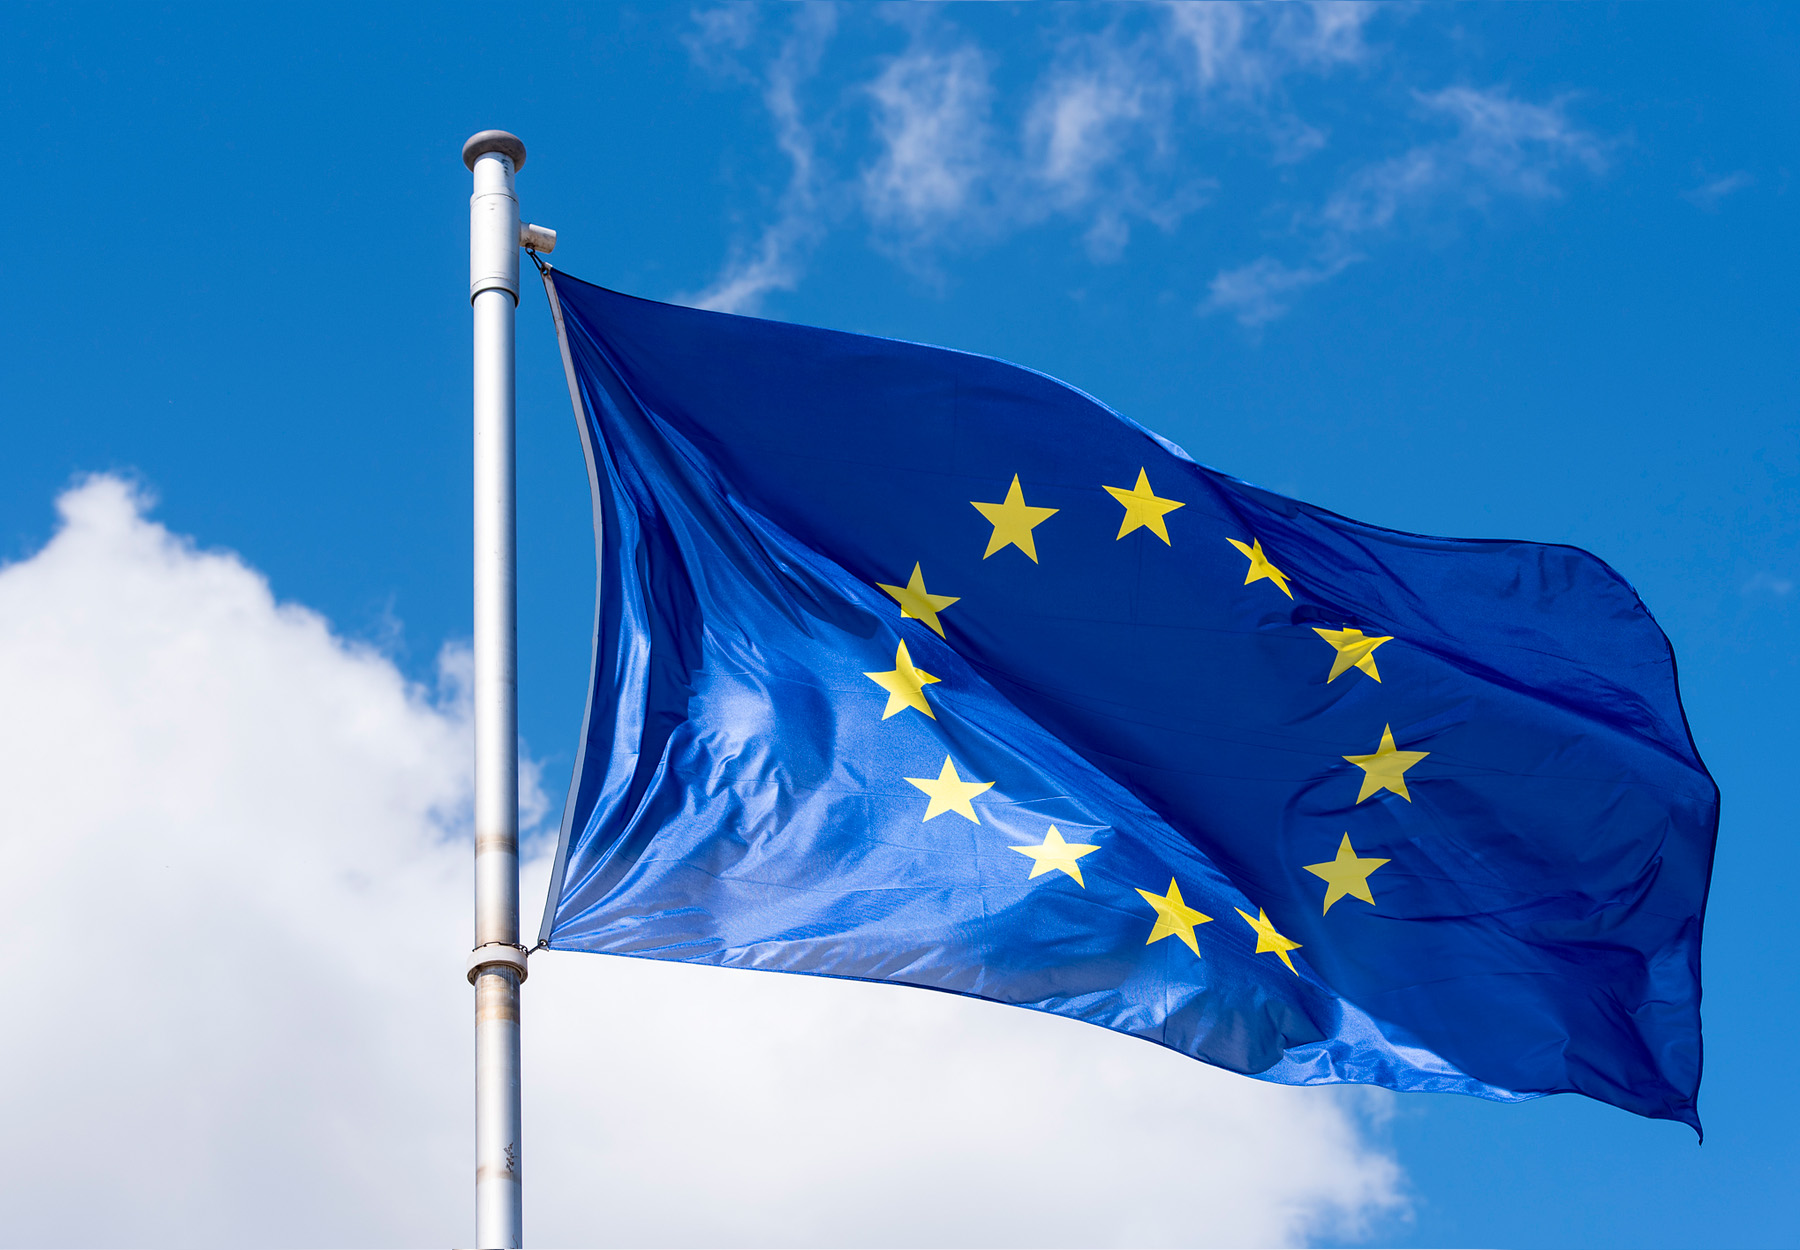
(720, 34)
(1094, 141)
(1247, 49)
(1371, 196)
(229, 884)
(1214, 34)
(235, 891)
(931, 122)
(1105, 136)
(775, 261)
(1708, 194)
(1501, 145)
(1261, 291)
(1331, 33)
(838, 1113)
(1763, 582)
(1515, 145)
(1081, 121)
(1098, 145)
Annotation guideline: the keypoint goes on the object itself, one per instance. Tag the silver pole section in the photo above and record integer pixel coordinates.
(497, 965)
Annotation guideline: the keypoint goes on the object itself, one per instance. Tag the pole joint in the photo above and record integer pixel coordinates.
(505, 954)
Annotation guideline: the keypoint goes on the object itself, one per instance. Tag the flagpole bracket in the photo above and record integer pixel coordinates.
(497, 954)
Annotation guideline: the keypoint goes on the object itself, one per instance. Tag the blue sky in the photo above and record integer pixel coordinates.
(1509, 271)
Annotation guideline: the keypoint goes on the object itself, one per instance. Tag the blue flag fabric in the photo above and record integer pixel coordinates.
(916, 666)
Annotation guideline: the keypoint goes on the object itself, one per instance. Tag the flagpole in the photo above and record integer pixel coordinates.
(496, 966)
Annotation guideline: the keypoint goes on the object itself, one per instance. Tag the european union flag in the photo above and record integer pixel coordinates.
(916, 666)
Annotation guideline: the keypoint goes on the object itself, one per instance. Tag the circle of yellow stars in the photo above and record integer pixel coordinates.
(1014, 523)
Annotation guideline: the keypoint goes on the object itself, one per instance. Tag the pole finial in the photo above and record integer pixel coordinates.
(502, 141)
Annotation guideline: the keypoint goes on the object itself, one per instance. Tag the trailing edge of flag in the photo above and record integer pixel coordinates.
(916, 666)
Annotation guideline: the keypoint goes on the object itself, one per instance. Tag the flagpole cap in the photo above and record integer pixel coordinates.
(504, 142)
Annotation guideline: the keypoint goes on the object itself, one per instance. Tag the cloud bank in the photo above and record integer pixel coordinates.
(234, 874)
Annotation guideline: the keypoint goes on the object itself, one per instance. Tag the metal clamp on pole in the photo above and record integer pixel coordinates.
(504, 954)
(537, 239)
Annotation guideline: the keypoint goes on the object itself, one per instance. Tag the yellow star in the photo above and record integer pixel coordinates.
(1013, 521)
(1386, 769)
(1355, 649)
(1268, 940)
(1174, 918)
(1260, 566)
(915, 602)
(950, 793)
(1143, 510)
(1344, 875)
(905, 685)
(1055, 853)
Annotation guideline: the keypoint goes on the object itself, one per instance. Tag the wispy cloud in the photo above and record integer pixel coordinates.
(1708, 194)
(1098, 143)
(1261, 291)
(1090, 145)
(1081, 120)
(1094, 141)
(939, 146)
(1332, 33)
(1500, 145)
(931, 122)
(1246, 50)
(1764, 583)
(776, 260)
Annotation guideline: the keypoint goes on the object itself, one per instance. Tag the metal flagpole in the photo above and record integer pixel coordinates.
(497, 964)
